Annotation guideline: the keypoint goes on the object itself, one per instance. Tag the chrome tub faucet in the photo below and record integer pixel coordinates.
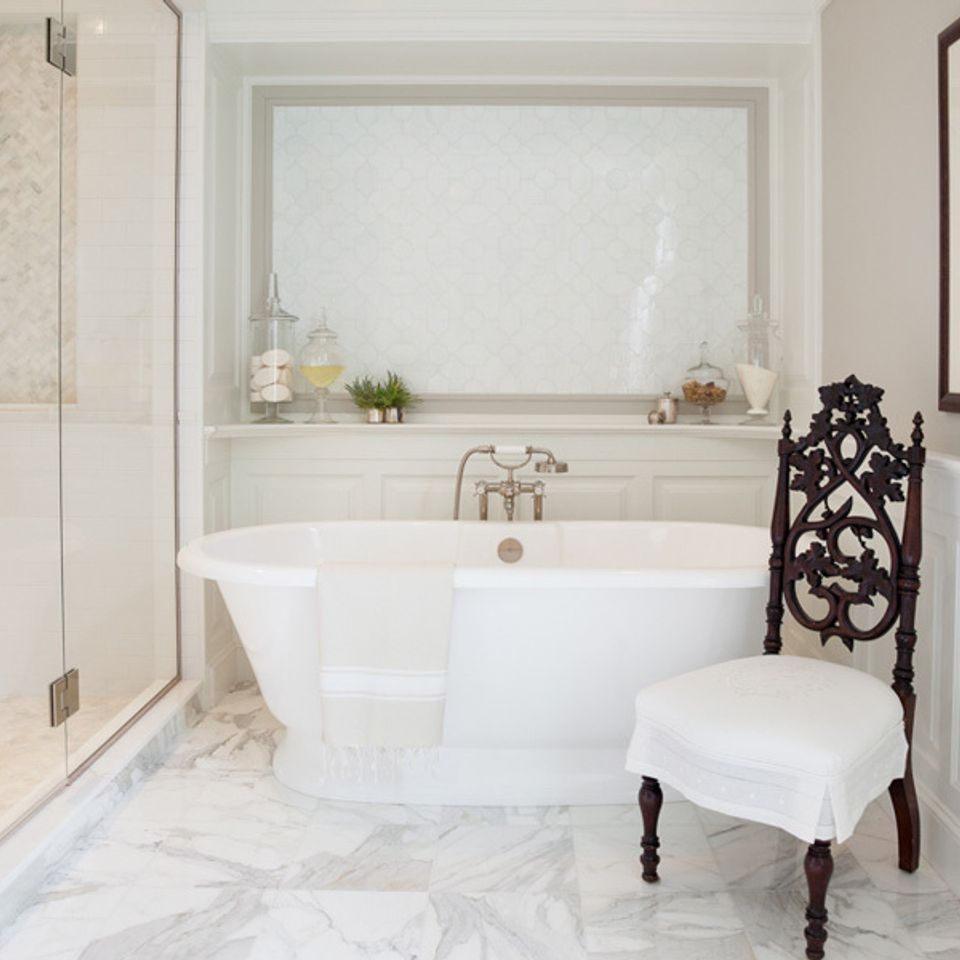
(509, 489)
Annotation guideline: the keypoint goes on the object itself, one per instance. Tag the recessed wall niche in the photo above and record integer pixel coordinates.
(38, 196)
(569, 246)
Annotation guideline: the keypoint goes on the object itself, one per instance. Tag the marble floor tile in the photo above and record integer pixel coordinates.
(239, 734)
(608, 860)
(503, 926)
(150, 924)
(610, 815)
(507, 816)
(877, 819)
(53, 939)
(518, 859)
(211, 859)
(362, 857)
(861, 925)
(933, 919)
(165, 797)
(107, 860)
(229, 852)
(343, 813)
(878, 857)
(174, 923)
(695, 924)
(754, 856)
(727, 948)
(259, 799)
(342, 925)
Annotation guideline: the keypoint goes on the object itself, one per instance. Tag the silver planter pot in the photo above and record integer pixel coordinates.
(392, 415)
(374, 415)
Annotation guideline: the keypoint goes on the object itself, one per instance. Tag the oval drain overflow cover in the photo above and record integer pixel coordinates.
(510, 550)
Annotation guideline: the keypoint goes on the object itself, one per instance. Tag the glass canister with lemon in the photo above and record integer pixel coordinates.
(319, 363)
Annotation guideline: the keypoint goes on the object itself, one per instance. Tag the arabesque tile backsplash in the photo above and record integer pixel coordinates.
(516, 248)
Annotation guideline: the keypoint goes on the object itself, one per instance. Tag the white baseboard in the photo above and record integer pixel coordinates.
(244, 670)
(220, 676)
(940, 837)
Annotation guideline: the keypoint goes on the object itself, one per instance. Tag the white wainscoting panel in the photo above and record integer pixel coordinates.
(406, 474)
(599, 495)
(416, 495)
(936, 735)
(937, 731)
(725, 498)
(302, 492)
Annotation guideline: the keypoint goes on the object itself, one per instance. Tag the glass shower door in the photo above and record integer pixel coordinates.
(32, 752)
(88, 197)
(118, 381)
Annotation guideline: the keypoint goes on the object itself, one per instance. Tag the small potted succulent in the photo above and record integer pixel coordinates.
(382, 401)
(394, 396)
(365, 395)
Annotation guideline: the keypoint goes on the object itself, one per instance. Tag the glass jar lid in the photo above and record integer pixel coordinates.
(759, 335)
(321, 333)
(704, 371)
(320, 347)
(273, 310)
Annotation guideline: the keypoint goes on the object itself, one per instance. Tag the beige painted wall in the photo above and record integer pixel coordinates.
(880, 203)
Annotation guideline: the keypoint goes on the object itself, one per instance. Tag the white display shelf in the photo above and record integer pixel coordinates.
(723, 428)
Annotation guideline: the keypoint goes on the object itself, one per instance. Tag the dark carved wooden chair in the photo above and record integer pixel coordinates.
(797, 742)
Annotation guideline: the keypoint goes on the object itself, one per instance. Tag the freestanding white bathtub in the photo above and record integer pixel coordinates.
(546, 657)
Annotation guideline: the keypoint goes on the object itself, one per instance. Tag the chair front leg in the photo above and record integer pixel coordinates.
(818, 866)
(651, 800)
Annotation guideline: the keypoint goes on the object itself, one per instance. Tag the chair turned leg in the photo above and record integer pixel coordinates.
(907, 812)
(651, 800)
(818, 866)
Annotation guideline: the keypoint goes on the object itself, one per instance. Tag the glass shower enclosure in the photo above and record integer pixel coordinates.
(89, 104)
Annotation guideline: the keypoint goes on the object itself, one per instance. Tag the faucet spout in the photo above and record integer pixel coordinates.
(509, 489)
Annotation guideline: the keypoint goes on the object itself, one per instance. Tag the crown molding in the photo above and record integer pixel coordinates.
(705, 21)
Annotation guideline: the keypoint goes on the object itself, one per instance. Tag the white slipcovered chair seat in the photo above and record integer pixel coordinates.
(801, 744)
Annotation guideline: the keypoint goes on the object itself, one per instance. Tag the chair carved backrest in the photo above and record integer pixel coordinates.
(840, 556)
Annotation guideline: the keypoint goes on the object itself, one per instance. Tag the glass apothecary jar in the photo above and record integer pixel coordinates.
(758, 368)
(319, 363)
(272, 348)
(705, 385)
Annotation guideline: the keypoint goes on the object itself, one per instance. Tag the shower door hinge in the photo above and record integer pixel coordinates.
(61, 47)
(64, 697)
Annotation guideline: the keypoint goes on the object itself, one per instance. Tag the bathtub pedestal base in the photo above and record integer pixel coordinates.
(467, 777)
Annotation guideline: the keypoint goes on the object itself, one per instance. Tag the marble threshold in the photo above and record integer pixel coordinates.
(209, 858)
(34, 756)
(33, 849)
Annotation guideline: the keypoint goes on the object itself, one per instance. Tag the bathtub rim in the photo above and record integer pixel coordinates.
(194, 559)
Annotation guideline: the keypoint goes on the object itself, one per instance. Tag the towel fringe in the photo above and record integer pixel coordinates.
(377, 764)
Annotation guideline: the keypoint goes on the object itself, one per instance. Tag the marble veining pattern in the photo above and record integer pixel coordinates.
(211, 859)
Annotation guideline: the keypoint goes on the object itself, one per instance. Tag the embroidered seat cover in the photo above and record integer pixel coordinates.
(798, 743)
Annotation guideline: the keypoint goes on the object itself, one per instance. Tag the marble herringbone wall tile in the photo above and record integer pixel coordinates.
(30, 200)
(516, 249)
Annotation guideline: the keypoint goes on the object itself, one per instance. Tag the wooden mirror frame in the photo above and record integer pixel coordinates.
(948, 401)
